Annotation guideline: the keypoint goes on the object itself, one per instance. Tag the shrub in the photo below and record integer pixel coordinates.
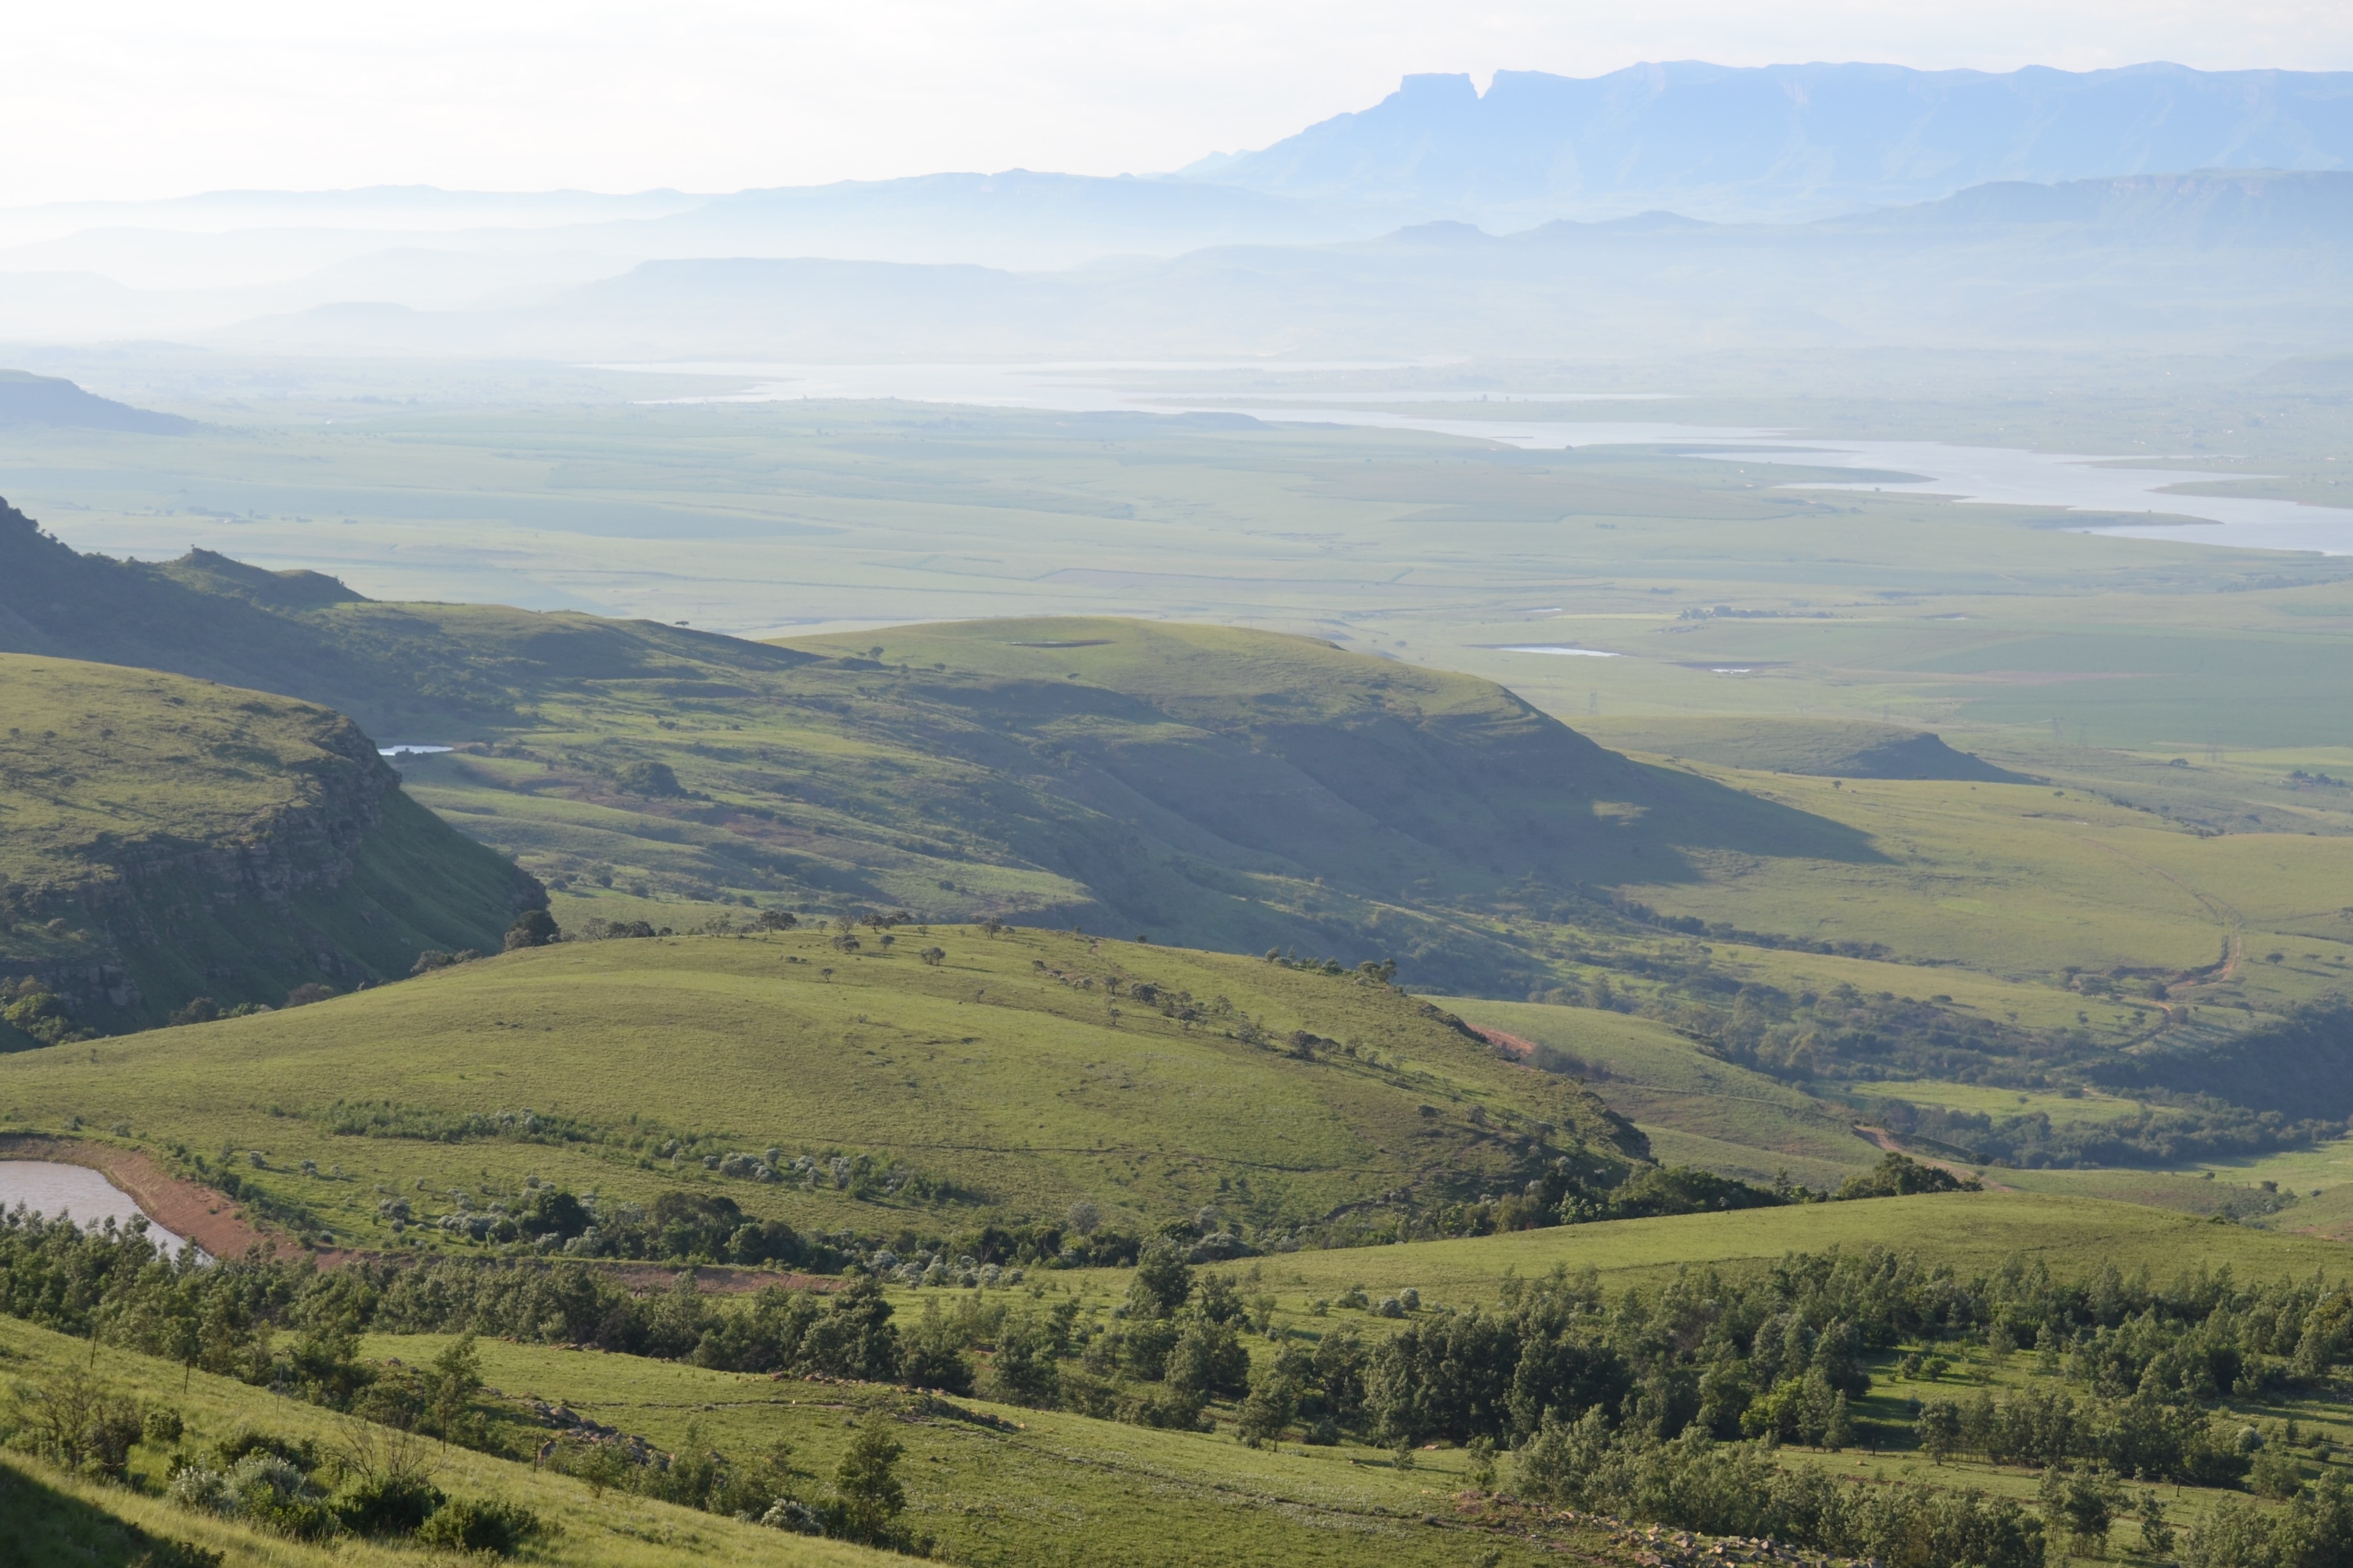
(648, 779)
(392, 1504)
(304, 994)
(533, 928)
(480, 1524)
(200, 1491)
(271, 1491)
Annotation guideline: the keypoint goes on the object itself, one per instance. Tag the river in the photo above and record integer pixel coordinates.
(1998, 476)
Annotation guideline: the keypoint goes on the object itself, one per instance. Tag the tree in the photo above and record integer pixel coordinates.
(930, 1354)
(1482, 1472)
(777, 920)
(533, 928)
(1209, 1358)
(450, 1384)
(1163, 1279)
(1024, 1370)
(2156, 1533)
(1940, 1429)
(199, 1010)
(1274, 1402)
(2082, 1504)
(1838, 1431)
(866, 1485)
(304, 994)
(933, 956)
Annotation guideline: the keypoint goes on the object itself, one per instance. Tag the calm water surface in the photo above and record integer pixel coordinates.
(75, 1192)
(2134, 500)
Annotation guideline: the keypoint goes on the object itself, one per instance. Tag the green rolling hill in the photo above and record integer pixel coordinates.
(1000, 1082)
(163, 838)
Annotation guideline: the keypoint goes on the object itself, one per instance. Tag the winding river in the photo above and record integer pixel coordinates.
(1999, 476)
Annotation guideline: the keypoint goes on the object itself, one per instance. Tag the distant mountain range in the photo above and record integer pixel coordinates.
(1769, 162)
(1775, 143)
(2236, 262)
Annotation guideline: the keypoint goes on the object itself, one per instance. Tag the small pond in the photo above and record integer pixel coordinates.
(77, 1192)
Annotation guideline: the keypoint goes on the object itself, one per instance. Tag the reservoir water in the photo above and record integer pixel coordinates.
(75, 1192)
(2133, 501)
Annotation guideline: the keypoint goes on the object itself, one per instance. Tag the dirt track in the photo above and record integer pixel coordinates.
(209, 1218)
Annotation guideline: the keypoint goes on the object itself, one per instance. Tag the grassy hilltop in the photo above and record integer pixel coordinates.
(163, 837)
(1013, 1077)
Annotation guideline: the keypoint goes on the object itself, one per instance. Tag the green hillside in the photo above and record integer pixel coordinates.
(163, 838)
(1695, 1109)
(1011, 1078)
(1218, 787)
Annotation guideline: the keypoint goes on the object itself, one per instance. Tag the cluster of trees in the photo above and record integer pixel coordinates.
(30, 1007)
(2210, 1129)
(1561, 1196)
(1372, 972)
(2297, 1065)
(1735, 1489)
(204, 1009)
(1725, 931)
(1657, 1403)
(2149, 1434)
(2314, 1531)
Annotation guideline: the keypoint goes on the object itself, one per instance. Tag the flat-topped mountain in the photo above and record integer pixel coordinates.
(1776, 142)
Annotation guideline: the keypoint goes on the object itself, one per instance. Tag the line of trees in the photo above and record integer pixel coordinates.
(1657, 1403)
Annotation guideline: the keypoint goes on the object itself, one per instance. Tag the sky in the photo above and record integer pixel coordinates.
(129, 99)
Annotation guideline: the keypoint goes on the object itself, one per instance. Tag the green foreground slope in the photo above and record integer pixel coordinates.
(163, 837)
(1014, 1077)
(50, 1516)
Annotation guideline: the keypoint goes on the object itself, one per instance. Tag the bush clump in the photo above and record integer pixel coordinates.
(480, 1524)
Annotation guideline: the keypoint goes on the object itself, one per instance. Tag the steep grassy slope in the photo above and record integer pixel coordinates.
(162, 837)
(1017, 1074)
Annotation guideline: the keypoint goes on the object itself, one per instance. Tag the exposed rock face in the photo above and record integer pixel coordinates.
(340, 880)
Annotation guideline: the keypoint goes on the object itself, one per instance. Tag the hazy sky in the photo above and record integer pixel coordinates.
(119, 98)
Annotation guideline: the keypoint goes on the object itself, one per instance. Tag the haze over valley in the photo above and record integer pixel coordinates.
(1600, 812)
